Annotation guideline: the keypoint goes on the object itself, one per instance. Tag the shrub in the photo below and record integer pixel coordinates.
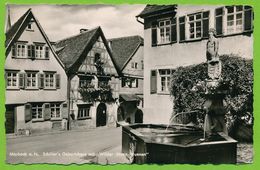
(237, 73)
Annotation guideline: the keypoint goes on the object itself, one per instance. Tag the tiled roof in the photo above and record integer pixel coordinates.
(70, 49)
(152, 9)
(19, 26)
(123, 48)
(15, 27)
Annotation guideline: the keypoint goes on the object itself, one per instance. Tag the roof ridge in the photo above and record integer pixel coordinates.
(22, 17)
(125, 37)
(95, 28)
(14, 27)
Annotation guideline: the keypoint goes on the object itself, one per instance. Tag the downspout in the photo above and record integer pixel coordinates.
(68, 99)
(137, 19)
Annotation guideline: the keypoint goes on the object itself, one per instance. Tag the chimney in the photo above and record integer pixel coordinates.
(8, 20)
(83, 30)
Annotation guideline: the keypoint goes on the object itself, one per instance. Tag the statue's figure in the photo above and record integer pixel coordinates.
(212, 46)
(214, 66)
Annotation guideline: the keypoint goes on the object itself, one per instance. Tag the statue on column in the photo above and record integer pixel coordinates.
(214, 106)
(214, 66)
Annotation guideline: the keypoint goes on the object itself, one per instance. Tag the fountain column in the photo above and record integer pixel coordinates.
(214, 107)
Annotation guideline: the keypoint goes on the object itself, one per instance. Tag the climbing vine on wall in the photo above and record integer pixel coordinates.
(90, 94)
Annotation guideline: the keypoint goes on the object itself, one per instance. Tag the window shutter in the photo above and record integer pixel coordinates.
(29, 51)
(173, 30)
(153, 78)
(47, 53)
(21, 80)
(5, 79)
(27, 112)
(33, 51)
(46, 111)
(205, 24)
(219, 13)
(248, 18)
(14, 50)
(123, 82)
(154, 33)
(41, 80)
(57, 77)
(182, 28)
(64, 110)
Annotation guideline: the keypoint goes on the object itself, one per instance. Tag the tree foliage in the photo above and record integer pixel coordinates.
(237, 73)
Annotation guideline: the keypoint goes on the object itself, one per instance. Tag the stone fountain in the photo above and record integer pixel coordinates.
(151, 143)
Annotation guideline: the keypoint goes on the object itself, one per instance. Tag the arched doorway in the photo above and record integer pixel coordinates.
(139, 116)
(101, 119)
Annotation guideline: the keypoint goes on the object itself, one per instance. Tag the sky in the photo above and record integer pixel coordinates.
(61, 21)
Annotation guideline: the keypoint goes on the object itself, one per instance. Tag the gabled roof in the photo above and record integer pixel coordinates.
(124, 48)
(155, 9)
(17, 29)
(14, 28)
(72, 51)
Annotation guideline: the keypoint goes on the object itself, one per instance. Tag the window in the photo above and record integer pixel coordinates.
(83, 111)
(164, 31)
(49, 80)
(234, 19)
(37, 111)
(55, 110)
(84, 81)
(132, 65)
(136, 65)
(39, 51)
(31, 80)
(129, 82)
(20, 50)
(11, 78)
(165, 76)
(29, 26)
(142, 64)
(102, 83)
(195, 26)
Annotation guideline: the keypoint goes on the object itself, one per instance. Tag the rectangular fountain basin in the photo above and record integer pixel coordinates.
(152, 143)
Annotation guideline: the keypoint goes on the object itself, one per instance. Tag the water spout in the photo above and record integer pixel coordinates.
(177, 114)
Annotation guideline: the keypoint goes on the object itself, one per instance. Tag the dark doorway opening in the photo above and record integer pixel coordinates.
(120, 114)
(101, 119)
(9, 119)
(139, 116)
